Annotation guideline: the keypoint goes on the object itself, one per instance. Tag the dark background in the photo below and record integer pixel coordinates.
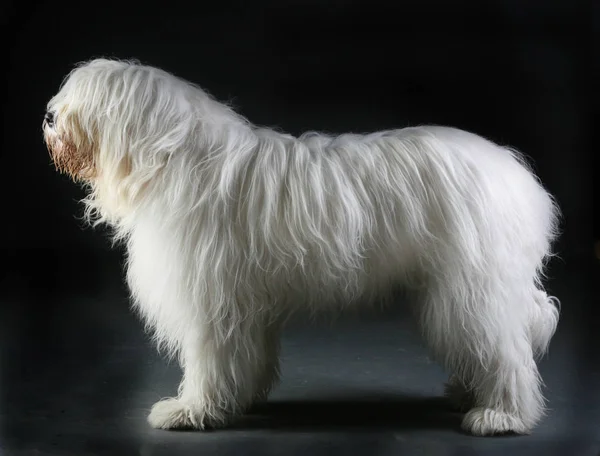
(518, 72)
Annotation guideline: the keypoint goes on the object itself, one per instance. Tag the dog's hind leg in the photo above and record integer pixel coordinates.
(544, 320)
(484, 340)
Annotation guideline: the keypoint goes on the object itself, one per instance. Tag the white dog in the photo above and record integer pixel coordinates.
(231, 228)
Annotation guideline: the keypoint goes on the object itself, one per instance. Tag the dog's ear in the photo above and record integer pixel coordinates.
(72, 148)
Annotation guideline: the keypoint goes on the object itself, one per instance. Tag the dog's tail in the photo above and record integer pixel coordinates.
(544, 319)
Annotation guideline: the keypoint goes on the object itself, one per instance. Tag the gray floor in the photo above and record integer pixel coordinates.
(78, 376)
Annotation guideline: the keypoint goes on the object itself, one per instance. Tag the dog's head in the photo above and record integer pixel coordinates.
(118, 125)
(103, 114)
(77, 117)
(114, 125)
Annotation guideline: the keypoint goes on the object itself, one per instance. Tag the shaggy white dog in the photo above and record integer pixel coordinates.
(231, 228)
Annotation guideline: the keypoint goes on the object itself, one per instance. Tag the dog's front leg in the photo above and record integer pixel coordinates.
(223, 367)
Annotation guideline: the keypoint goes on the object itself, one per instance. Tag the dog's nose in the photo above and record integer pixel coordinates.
(49, 118)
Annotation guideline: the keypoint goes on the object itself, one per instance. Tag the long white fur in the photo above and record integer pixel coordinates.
(231, 228)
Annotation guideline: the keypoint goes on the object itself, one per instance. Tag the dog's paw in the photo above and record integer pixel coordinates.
(173, 414)
(459, 397)
(485, 421)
